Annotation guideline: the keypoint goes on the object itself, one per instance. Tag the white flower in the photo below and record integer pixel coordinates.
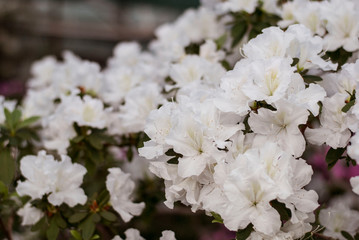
(334, 123)
(238, 5)
(273, 42)
(354, 182)
(269, 79)
(131, 234)
(139, 102)
(168, 235)
(121, 188)
(61, 180)
(30, 215)
(249, 194)
(339, 218)
(281, 126)
(342, 24)
(353, 148)
(87, 111)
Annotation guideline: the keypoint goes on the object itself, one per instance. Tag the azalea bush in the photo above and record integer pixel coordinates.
(243, 110)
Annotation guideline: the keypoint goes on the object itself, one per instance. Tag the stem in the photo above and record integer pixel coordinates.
(6, 231)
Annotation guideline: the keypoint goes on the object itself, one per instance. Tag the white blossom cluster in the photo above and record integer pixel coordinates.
(134, 234)
(227, 142)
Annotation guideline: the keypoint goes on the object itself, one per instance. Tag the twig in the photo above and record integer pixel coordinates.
(6, 231)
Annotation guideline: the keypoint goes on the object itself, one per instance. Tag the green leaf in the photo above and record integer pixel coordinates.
(77, 217)
(96, 236)
(60, 221)
(311, 78)
(39, 225)
(347, 235)
(3, 189)
(333, 156)
(53, 231)
(76, 234)
(244, 233)
(78, 139)
(109, 216)
(221, 41)
(88, 228)
(27, 122)
(285, 213)
(16, 116)
(103, 198)
(96, 218)
(347, 106)
(7, 167)
(238, 31)
(95, 141)
(295, 61)
(217, 218)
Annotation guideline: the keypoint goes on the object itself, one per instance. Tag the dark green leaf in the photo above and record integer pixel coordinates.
(39, 225)
(88, 228)
(96, 218)
(238, 31)
(53, 231)
(217, 218)
(3, 189)
(333, 156)
(295, 61)
(221, 41)
(7, 167)
(347, 235)
(77, 217)
(129, 154)
(244, 233)
(16, 116)
(60, 221)
(108, 216)
(311, 78)
(284, 212)
(78, 139)
(27, 122)
(103, 198)
(347, 106)
(95, 141)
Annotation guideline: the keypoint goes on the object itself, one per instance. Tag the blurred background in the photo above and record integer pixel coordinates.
(32, 29)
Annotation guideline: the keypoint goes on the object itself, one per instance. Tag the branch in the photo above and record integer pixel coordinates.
(6, 231)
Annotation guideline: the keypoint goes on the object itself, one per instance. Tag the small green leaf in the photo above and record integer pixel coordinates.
(333, 156)
(39, 225)
(53, 231)
(243, 234)
(103, 198)
(95, 141)
(78, 139)
(217, 218)
(221, 41)
(3, 189)
(295, 61)
(238, 31)
(76, 234)
(77, 217)
(347, 235)
(88, 228)
(7, 167)
(96, 236)
(60, 221)
(96, 218)
(27, 122)
(347, 106)
(16, 116)
(109, 216)
(311, 78)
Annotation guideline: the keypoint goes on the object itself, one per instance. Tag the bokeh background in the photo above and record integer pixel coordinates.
(32, 29)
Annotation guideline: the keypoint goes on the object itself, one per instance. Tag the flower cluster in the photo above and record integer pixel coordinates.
(226, 104)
